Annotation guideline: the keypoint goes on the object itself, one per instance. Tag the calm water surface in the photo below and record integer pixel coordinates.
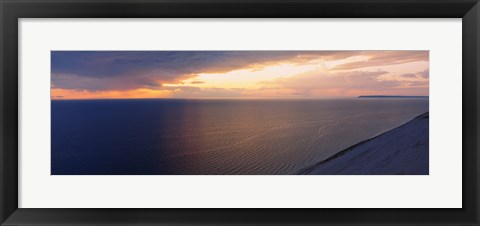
(179, 137)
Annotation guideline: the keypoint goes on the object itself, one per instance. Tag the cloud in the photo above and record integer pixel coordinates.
(106, 70)
(409, 75)
(74, 81)
(382, 58)
(323, 83)
(146, 73)
(421, 74)
(425, 73)
(112, 63)
(197, 82)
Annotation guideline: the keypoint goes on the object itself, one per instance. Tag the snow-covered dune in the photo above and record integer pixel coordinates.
(402, 150)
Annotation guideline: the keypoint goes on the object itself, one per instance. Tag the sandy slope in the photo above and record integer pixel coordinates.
(402, 150)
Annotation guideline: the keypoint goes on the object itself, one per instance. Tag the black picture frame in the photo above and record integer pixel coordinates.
(12, 10)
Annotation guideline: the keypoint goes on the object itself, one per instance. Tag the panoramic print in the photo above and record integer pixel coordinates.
(240, 112)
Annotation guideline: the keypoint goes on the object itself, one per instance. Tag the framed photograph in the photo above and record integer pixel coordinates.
(239, 112)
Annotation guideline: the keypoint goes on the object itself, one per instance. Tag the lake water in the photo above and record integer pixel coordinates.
(183, 137)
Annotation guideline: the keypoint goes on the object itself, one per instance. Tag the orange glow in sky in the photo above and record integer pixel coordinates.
(227, 74)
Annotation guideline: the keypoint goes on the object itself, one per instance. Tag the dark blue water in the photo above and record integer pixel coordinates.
(183, 137)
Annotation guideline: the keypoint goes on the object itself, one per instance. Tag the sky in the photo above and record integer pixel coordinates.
(237, 74)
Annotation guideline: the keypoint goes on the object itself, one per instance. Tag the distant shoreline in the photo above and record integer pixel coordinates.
(402, 143)
(386, 96)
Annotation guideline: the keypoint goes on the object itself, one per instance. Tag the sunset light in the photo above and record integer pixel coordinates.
(237, 74)
(240, 112)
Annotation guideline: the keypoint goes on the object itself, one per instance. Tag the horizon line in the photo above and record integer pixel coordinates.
(274, 98)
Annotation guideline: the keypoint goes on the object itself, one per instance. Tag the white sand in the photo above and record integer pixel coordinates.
(402, 150)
